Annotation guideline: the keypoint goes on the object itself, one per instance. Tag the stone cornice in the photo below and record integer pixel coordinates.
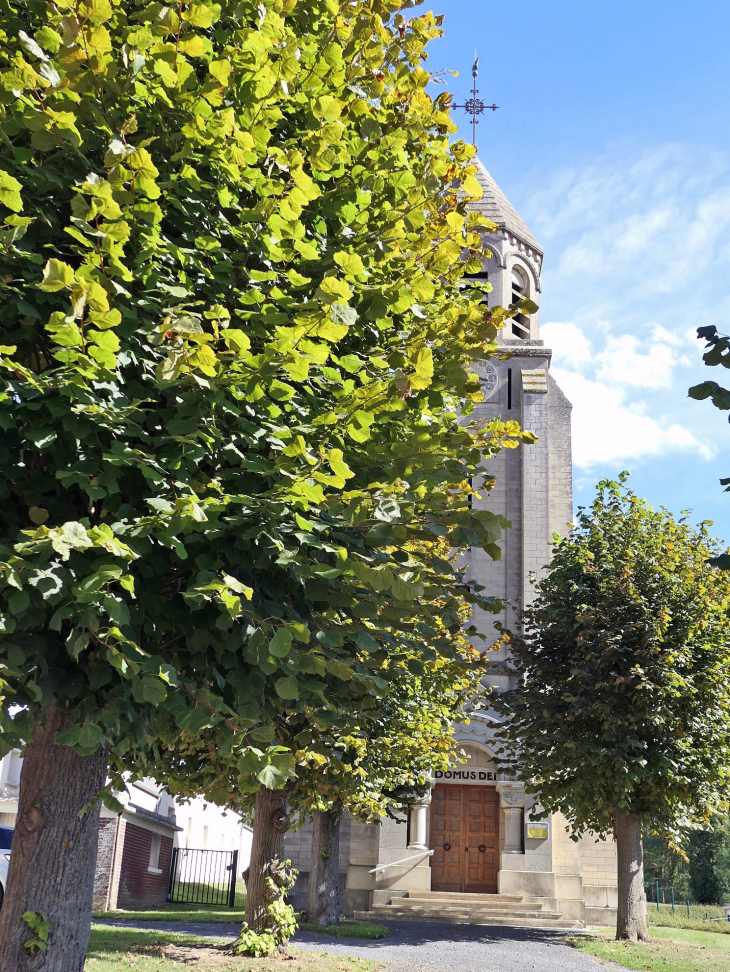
(525, 350)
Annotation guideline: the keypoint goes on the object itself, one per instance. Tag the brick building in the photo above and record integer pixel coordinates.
(135, 850)
(533, 868)
(135, 846)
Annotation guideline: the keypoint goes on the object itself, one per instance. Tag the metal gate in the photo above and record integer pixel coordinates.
(203, 877)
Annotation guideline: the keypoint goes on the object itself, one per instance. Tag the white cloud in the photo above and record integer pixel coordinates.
(624, 362)
(625, 231)
(568, 342)
(678, 340)
(606, 430)
(637, 254)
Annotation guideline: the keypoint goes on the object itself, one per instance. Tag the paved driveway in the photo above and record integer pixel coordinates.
(414, 946)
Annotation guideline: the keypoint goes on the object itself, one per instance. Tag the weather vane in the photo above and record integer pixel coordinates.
(475, 106)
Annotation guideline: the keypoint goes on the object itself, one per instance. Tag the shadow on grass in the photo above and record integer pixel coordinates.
(173, 912)
(107, 940)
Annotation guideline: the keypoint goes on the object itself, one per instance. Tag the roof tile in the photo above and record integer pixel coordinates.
(495, 206)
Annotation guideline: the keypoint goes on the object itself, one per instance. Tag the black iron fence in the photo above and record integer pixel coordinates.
(204, 877)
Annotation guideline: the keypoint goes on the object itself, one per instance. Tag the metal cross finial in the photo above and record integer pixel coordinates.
(475, 106)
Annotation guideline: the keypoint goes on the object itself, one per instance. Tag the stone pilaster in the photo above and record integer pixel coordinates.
(512, 802)
(419, 825)
(535, 480)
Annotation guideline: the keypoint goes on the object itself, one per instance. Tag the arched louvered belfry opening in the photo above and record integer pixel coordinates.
(520, 291)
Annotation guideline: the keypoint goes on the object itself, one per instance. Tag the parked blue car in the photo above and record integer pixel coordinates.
(6, 842)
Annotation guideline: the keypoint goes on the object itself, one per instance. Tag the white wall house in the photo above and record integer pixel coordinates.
(10, 767)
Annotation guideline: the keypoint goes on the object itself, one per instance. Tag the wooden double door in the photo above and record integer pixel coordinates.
(464, 838)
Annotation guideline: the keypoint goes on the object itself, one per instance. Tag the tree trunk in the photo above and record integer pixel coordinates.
(270, 824)
(54, 853)
(631, 922)
(323, 901)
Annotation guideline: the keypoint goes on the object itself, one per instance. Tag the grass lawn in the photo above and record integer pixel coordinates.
(127, 950)
(173, 912)
(350, 929)
(664, 917)
(670, 950)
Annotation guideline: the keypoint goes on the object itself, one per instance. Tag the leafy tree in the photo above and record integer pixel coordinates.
(709, 856)
(375, 758)
(664, 864)
(701, 873)
(623, 719)
(717, 353)
(394, 753)
(234, 352)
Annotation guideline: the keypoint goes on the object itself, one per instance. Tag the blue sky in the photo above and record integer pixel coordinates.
(612, 142)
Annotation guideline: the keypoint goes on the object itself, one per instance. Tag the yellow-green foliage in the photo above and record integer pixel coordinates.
(234, 353)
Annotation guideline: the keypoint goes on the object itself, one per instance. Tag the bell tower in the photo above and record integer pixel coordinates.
(533, 483)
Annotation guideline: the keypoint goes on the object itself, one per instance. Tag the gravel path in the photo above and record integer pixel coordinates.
(414, 946)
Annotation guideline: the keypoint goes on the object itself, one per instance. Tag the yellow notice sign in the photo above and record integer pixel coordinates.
(537, 830)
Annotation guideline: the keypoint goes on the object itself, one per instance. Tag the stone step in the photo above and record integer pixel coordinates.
(467, 917)
(463, 896)
(455, 909)
(534, 904)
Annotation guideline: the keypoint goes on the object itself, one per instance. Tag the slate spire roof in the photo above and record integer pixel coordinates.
(495, 206)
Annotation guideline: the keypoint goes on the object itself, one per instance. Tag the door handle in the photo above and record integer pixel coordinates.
(447, 847)
(482, 848)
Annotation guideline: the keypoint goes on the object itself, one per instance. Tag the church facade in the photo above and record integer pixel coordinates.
(474, 834)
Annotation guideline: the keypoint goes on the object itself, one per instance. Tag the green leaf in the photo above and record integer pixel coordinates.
(364, 641)
(97, 11)
(339, 670)
(351, 363)
(153, 690)
(10, 192)
(68, 737)
(300, 631)
(271, 777)
(346, 316)
(56, 276)
(332, 289)
(249, 761)
(237, 339)
(18, 601)
(238, 587)
(221, 71)
(198, 15)
(280, 644)
(110, 801)
(165, 70)
(287, 688)
(280, 391)
(116, 609)
(195, 46)
(195, 720)
(350, 262)
(402, 590)
(327, 108)
(262, 734)
(424, 369)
